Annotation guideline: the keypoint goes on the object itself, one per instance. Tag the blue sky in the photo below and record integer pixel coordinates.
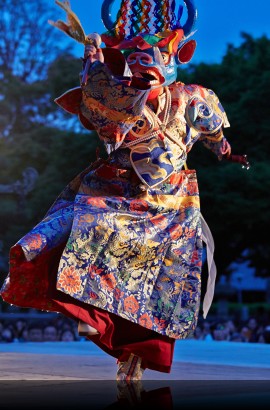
(219, 22)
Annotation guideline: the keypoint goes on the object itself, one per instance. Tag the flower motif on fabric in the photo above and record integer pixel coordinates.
(35, 241)
(70, 280)
(175, 231)
(196, 258)
(189, 233)
(108, 281)
(160, 323)
(139, 206)
(193, 188)
(131, 305)
(146, 321)
(160, 221)
(93, 271)
(98, 202)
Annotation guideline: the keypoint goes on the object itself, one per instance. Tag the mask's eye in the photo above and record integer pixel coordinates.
(165, 57)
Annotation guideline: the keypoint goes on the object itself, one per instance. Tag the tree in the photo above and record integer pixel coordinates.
(58, 156)
(28, 46)
(30, 63)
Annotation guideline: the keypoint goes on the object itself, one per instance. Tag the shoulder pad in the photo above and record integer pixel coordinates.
(206, 115)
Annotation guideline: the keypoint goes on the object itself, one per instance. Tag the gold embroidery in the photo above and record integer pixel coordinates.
(170, 201)
(110, 114)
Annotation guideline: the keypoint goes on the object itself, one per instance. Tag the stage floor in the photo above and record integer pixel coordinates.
(76, 374)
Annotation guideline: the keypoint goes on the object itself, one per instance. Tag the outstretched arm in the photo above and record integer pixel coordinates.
(220, 146)
(213, 115)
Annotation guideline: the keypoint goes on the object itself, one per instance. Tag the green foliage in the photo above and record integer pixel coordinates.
(63, 74)
(235, 202)
(57, 156)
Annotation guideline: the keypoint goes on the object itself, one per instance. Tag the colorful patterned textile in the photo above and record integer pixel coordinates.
(128, 249)
(138, 256)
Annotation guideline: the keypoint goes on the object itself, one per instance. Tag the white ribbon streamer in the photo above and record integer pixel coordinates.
(212, 271)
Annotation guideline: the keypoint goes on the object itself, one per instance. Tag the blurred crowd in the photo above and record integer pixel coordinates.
(64, 329)
(57, 329)
(250, 331)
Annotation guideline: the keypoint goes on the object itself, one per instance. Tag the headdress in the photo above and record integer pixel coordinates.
(139, 23)
(152, 22)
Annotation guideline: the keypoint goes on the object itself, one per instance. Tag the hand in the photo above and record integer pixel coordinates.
(226, 148)
(92, 51)
(241, 159)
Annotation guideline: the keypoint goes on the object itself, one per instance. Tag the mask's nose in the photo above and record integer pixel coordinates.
(139, 58)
